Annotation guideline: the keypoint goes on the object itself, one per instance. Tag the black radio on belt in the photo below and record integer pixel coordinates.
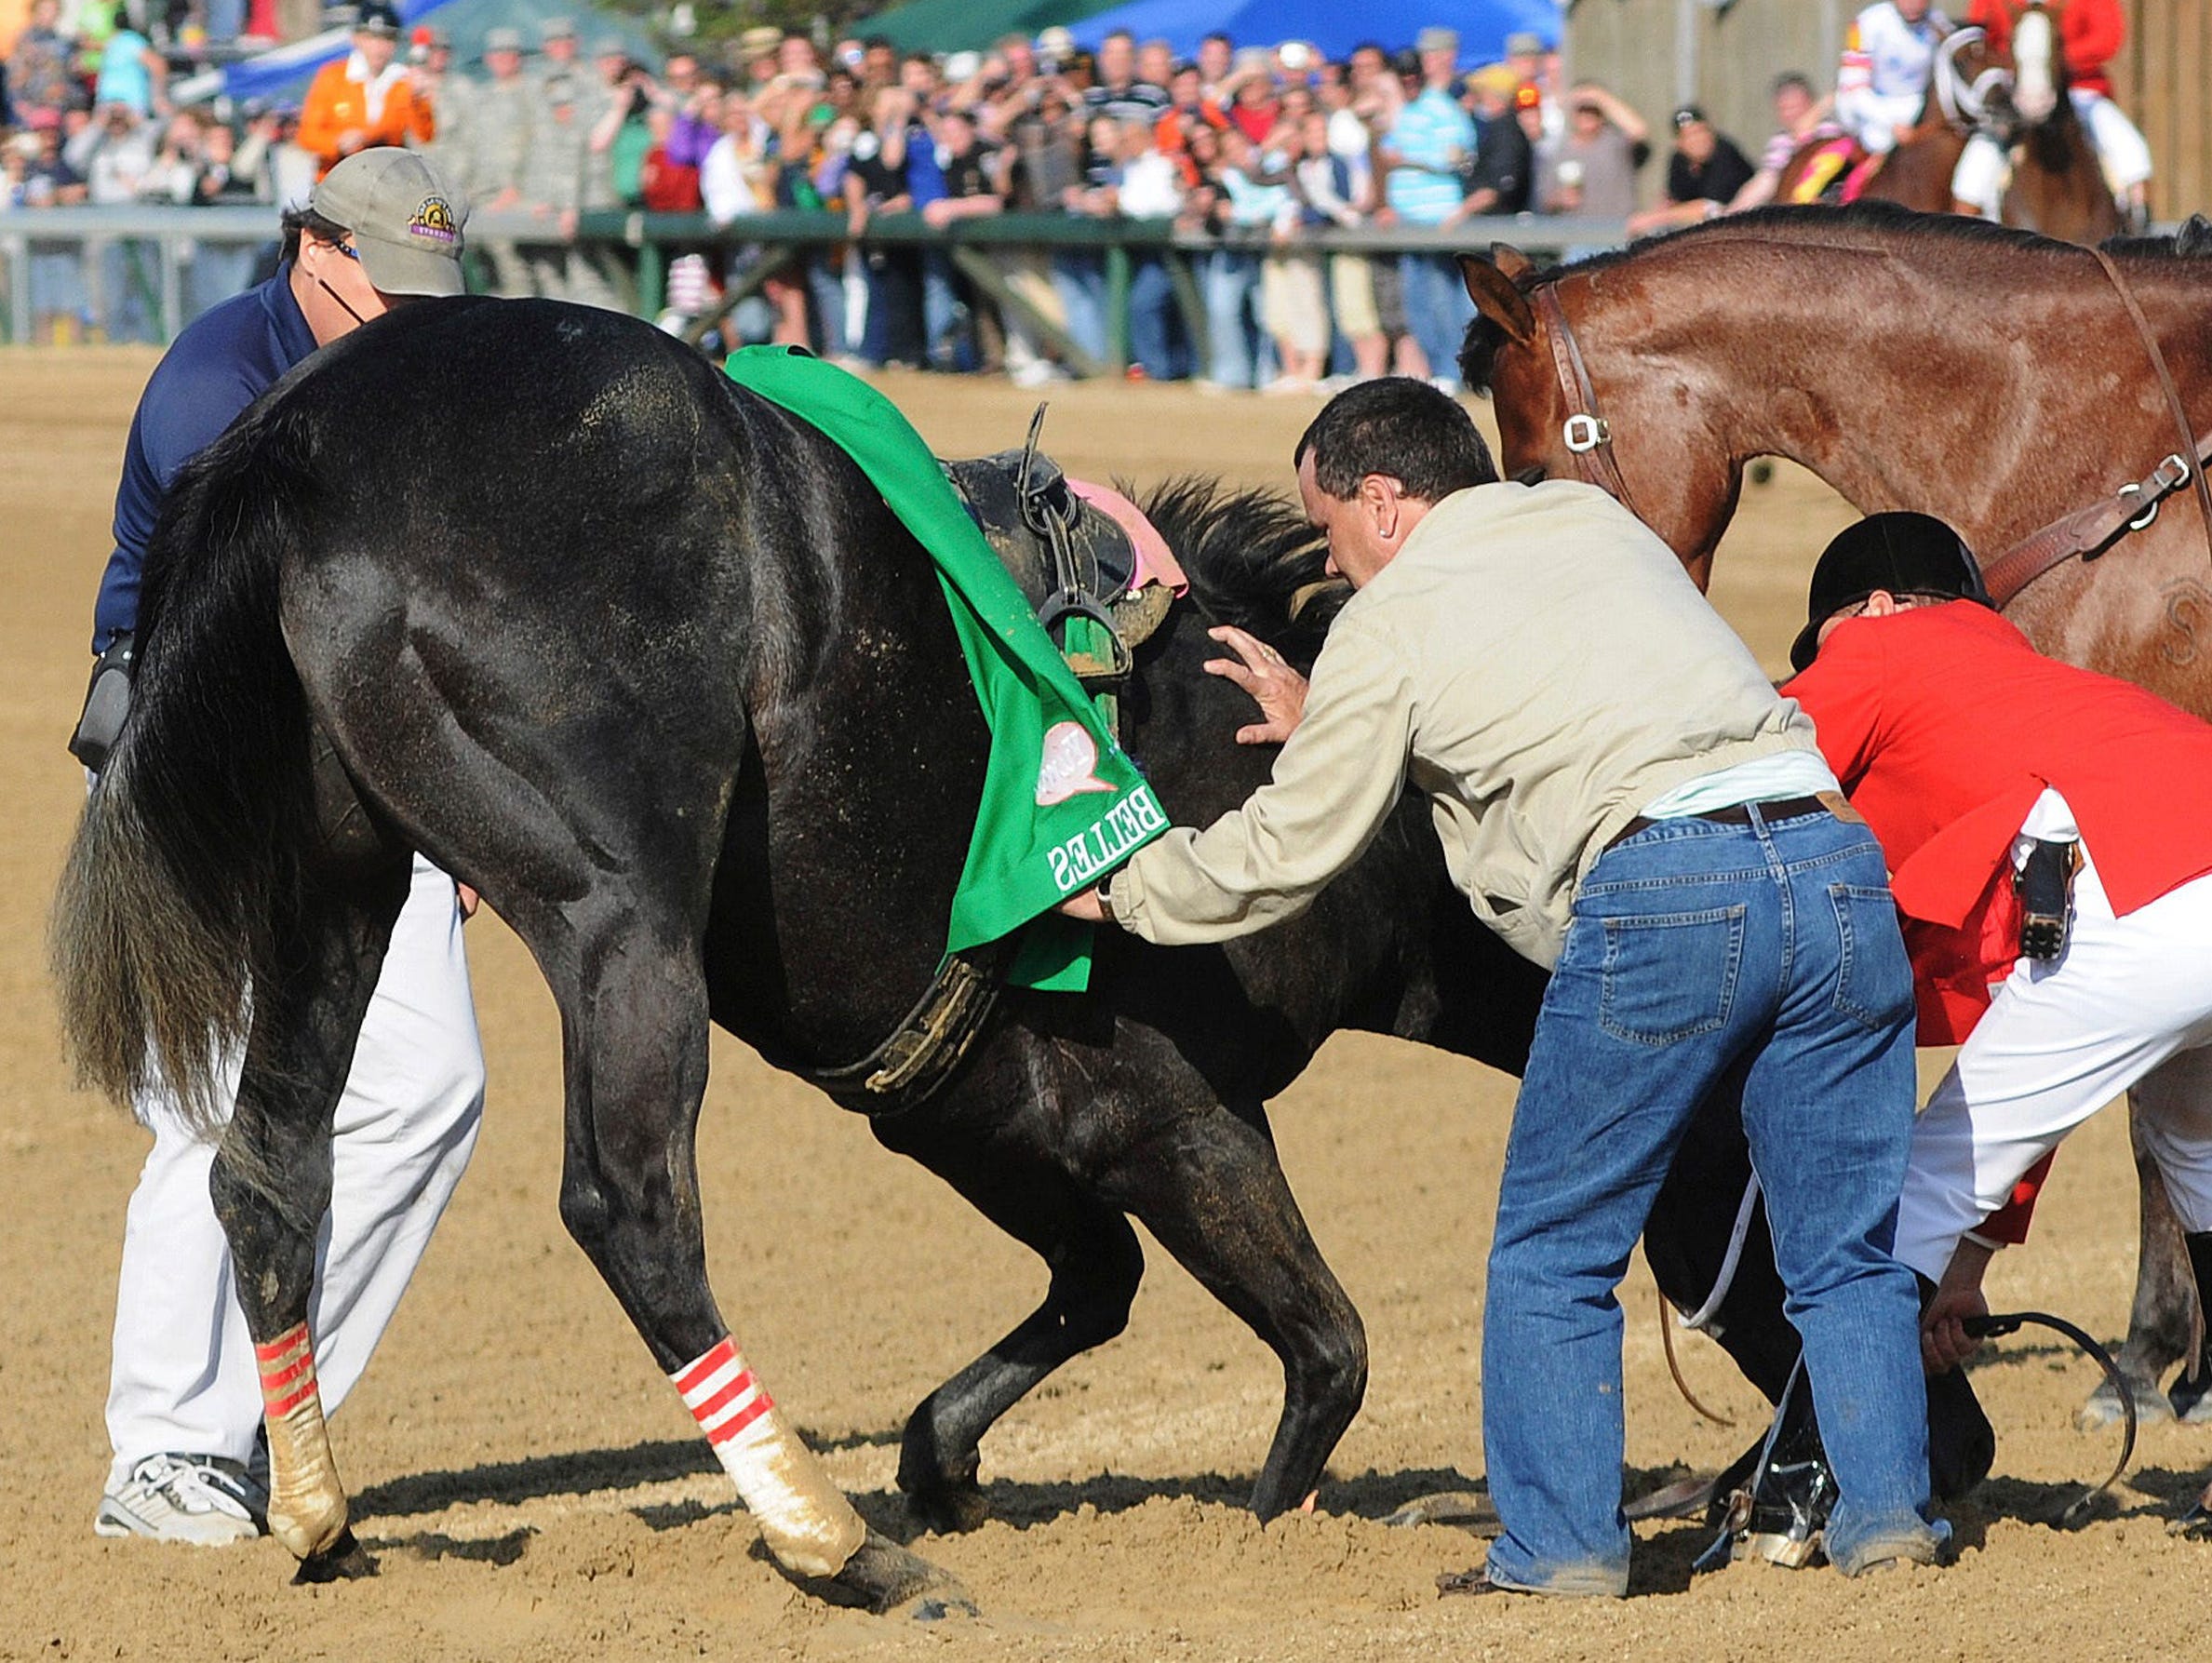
(107, 702)
(2044, 884)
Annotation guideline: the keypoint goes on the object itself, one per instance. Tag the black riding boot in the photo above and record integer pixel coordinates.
(2191, 1396)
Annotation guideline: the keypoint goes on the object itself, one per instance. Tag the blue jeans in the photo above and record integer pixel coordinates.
(825, 286)
(1701, 952)
(1152, 318)
(1437, 308)
(944, 319)
(1238, 346)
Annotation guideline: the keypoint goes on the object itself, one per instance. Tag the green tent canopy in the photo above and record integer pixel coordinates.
(959, 25)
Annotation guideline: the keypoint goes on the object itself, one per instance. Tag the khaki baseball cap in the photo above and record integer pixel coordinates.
(404, 219)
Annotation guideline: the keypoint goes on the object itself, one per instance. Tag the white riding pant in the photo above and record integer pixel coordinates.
(183, 1376)
(1979, 178)
(1875, 117)
(2127, 1005)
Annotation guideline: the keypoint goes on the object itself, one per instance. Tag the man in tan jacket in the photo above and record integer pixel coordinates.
(1621, 794)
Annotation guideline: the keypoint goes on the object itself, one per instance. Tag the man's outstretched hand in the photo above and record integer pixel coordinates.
(1278, 690)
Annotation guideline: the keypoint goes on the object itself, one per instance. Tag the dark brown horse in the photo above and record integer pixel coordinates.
(2058, 185)
(2019, 99)
(1988, 376)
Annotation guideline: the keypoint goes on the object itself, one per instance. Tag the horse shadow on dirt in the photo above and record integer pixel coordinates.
(1018, 1504)
(572, 1472)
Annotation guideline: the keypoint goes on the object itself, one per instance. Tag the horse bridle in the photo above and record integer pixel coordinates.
(1586, 432)
(2088, 533)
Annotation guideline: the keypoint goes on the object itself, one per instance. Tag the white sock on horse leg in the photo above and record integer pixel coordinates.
(803, 1517)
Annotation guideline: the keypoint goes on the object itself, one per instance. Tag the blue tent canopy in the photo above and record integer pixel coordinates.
(1333, 25)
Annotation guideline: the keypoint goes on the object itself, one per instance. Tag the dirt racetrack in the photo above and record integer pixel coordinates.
(534, 1490)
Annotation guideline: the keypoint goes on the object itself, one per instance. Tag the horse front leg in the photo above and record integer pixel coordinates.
(1211, 1190)
(2166, 1325)
(271, 1187)
(634, 1022)
(1095, 1265)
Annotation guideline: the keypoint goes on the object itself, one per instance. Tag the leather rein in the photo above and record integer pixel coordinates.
(2085, 533)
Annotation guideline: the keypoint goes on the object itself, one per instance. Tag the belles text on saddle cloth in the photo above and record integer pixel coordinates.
(1062, 804)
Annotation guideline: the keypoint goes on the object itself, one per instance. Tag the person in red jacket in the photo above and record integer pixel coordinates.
(2090, 33)
(365, 99)
(1965, 749)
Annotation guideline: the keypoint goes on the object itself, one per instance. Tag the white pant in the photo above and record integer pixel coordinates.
(183, 1376)
(1978, 181)
(1873, 118)
(2129, 997)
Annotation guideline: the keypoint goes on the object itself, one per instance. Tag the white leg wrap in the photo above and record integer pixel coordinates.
(307, 1507)
(804, 1518)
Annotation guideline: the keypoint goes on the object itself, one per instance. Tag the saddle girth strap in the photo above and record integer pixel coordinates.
(920, 1056)
(1586, 432)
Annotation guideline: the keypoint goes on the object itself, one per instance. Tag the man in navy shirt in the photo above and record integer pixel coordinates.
(184, 1401)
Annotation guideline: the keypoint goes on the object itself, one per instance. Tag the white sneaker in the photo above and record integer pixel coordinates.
(202, 1500)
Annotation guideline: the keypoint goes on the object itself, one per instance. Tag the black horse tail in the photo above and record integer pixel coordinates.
(187, 862)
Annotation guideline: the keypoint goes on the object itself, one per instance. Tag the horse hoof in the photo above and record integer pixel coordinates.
(948, 1509)
(2191, 1400)
(343, 1561)
(1466, 1508)
(2102, 1407)
(2195, 1525)
(891, 1582)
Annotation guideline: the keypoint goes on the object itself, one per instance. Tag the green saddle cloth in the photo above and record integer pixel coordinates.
(1062, 804)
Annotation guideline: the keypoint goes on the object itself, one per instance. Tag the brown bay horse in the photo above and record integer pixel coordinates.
(1988, 376)
(2020, 98)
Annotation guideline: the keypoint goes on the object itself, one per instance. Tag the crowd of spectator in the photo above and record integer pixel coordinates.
(1260, 146)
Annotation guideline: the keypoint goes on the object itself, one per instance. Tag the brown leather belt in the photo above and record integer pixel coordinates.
(1739, 813)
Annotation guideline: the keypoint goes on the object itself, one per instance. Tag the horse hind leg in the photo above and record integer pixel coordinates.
(2166, 1324)
(271, 1187)
(1095, 1265)
(1211, 1190)
(634, 1004)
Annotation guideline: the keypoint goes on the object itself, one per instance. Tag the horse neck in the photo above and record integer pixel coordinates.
(1879, 378)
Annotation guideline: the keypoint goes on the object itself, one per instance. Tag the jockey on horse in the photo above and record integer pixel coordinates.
(2090, 32)
(1889, 55)
(1894, 57)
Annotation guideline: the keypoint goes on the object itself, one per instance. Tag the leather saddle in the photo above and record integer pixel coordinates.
(1071, 560)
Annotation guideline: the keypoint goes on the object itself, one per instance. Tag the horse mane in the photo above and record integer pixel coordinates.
(1253, 560)
(2191, 240)
(1856, 226)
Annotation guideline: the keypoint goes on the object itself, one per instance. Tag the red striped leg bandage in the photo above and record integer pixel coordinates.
(803, 1517)
(306, 1503)
(287, 1372)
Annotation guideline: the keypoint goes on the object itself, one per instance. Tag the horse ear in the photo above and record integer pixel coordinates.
(1496, 298)
(1512, 261)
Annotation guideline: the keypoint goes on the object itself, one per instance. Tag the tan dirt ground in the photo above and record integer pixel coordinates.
(535, 1491)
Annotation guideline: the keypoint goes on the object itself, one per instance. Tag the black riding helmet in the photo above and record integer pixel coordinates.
(1906, 554)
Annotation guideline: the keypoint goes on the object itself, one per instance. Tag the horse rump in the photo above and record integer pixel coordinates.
(188, 856)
